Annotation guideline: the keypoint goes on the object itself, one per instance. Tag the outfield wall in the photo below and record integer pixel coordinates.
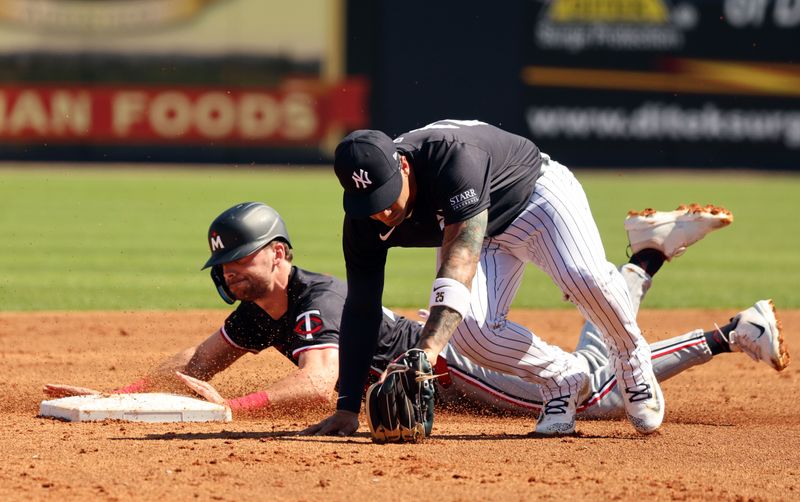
(231, 81)
(695, 83)
(608, 83)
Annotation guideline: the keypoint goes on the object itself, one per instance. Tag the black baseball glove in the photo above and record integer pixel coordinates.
(400, 406)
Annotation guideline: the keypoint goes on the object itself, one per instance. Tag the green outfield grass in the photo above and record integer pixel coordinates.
(135, 238)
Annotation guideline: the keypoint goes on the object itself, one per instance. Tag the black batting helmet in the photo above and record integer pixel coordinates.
(242, 230)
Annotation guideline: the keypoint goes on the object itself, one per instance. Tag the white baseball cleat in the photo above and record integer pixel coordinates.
(644, 404)
(671, 232)
(558, 414)
(758, 334)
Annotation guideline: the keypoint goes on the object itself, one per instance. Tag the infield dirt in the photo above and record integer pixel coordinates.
(731, 432)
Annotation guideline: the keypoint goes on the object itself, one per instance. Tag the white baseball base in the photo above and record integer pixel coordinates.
(145, 407)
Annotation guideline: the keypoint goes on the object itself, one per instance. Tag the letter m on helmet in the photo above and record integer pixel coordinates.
(216, 243)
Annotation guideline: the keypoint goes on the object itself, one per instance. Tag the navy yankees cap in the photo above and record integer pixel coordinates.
(368, 167)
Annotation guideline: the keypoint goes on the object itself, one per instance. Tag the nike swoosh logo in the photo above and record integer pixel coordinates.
(437, 288)
(760, 329)
(385, 236)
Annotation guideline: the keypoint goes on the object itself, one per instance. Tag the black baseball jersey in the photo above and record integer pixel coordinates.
(312, 322)
(461, 168)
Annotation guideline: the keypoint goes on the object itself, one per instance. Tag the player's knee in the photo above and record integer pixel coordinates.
(583, 280)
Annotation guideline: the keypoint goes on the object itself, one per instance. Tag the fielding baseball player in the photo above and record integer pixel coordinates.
(491, 202)
(298, 312)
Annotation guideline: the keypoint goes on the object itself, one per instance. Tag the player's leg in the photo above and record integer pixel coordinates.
(669, 357)
(464, 384)
(756, 331)
(476, 386)
(591, 346)
(470, 386)
(655, 237)
(489, 339)
(557, 232)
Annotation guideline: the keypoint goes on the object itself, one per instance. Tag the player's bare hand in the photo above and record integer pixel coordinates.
(205, 389)
(341, 423)
(55, 390)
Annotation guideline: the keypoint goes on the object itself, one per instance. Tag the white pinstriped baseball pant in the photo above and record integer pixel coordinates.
(489, 389)
(556, 231)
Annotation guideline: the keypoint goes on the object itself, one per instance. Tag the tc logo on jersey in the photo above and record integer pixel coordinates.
(361, 179)
(216, 242)
(308, 324)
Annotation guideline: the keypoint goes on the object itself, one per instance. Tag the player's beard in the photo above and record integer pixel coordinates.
(250, 289)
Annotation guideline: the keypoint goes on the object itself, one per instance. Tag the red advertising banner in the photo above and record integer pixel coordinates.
(297, 113)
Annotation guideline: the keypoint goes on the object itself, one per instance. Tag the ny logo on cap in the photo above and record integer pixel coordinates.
(362, 178)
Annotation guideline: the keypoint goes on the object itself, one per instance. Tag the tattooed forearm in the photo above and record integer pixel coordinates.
(461, 248)
(440, 326)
